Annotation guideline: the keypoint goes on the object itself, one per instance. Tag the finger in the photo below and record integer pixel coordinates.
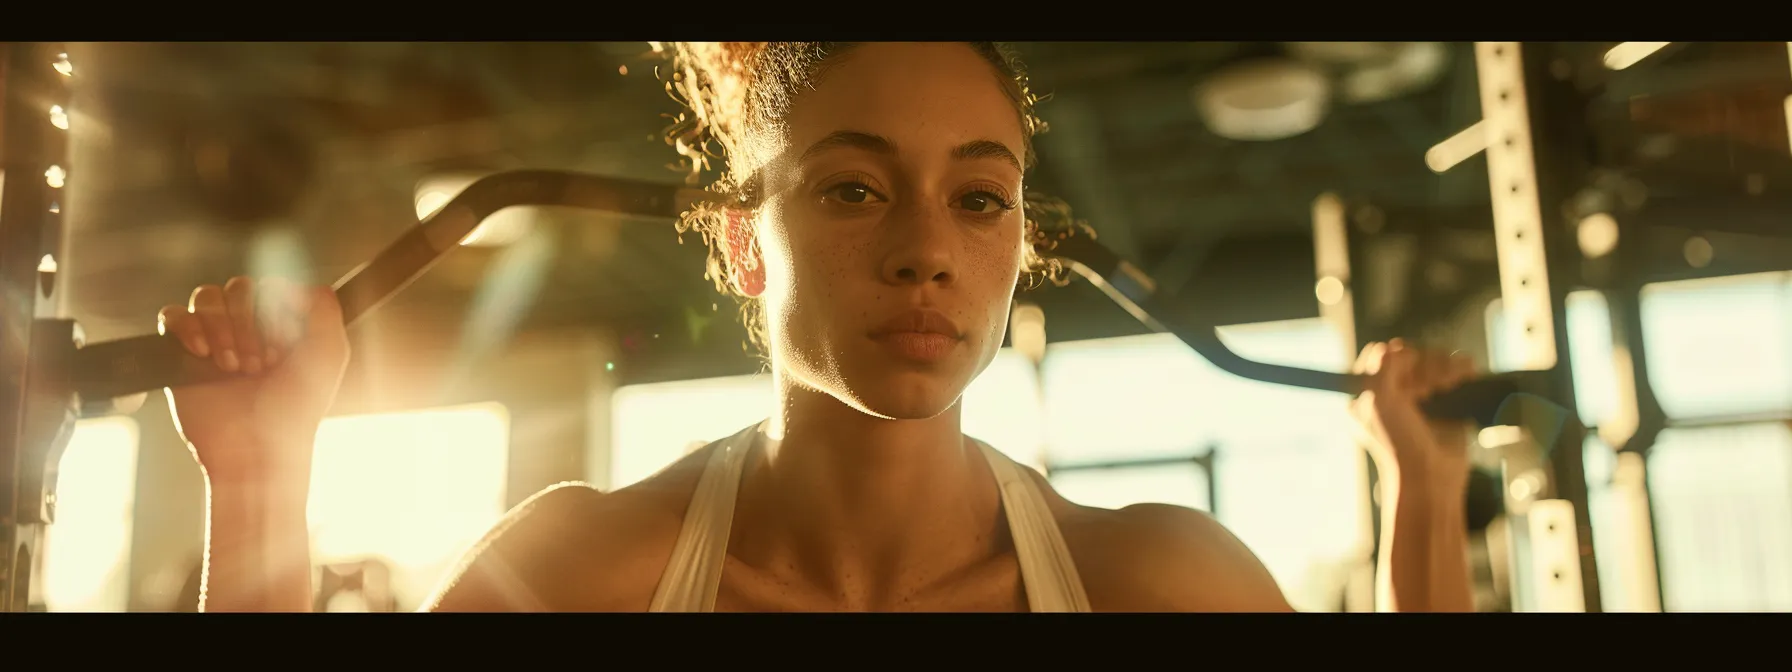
(274, 308)
(1397, 368)
(207, 306)
(322, 335)
(174, 320)
(239, 298)
(1436, 373)
(323, 314)
(1369, 360)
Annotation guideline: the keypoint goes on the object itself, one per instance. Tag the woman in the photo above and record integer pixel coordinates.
(875, 230)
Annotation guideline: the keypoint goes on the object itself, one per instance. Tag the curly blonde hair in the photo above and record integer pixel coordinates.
(733, 92)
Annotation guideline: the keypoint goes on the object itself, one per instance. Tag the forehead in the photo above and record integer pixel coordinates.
(924, 97)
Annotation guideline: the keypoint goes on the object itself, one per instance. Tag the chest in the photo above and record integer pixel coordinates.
(993, 585)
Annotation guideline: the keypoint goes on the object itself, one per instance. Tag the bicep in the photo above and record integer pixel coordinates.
(504, 571)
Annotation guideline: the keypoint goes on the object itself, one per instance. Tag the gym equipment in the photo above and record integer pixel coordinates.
(145, 363)
(1481, 400)
(67, 379)
(137, 365)
(49, 377)
(71, 380)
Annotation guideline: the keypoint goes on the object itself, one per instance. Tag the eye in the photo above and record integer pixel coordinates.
(983, 203)
(851, 193)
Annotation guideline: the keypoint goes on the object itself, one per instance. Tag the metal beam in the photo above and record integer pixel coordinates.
(33, 152)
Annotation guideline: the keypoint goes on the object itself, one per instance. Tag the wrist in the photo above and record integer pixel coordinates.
(278, 488)
(1425, 477)
(246, 463)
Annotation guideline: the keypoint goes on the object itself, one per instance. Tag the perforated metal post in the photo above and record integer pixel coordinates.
(34, 88)
(1536, 125)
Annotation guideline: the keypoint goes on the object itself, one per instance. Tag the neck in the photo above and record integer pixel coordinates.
(855, 500)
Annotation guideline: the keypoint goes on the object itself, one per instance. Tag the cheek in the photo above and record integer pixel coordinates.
(995, 271)
(806, 269)
(997, 262)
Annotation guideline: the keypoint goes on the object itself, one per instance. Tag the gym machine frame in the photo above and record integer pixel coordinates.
(51, 378)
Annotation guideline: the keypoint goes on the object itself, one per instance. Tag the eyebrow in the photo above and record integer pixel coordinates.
(877, 144)
(986, 149)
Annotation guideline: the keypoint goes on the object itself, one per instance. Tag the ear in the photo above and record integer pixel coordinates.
(746, 268)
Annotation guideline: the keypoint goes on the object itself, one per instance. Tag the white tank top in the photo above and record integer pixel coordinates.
(694, 574)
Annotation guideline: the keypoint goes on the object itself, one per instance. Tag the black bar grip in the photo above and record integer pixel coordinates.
(146, 363)
(1479, 400)
(128, 366)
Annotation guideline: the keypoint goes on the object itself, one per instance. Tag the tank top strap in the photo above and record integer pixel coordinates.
(1046, 566)
(694, 573)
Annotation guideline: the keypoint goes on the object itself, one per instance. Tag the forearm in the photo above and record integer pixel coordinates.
(257, 547)
(1424, 563)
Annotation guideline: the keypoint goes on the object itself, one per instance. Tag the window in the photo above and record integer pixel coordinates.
(1287, 470)
(1001, 408)
(1720, 346)
(410, 490)
(656, 424)
(86, 552)
(1117, 487)
(1724, 517)
(1718, 349)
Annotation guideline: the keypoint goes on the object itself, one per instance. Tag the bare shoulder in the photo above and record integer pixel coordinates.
(1159, 557)
(572, 547)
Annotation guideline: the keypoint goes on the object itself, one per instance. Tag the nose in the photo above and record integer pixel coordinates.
(923, 248)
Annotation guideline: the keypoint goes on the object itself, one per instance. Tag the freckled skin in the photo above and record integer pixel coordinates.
(834, 271)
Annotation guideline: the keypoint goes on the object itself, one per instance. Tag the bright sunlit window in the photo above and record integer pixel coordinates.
(87, 551)
(1720, 346)
(413, 490)
(1724, 517)
(1722, 497)
(1002, 408)
(1287, 473)
(655, 424)
(1183, 484)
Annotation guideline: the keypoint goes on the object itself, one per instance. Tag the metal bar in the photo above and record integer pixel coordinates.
(1205, 462)
(1478, 400)
(1670, 79)
(1539, 160)
(1644, 415)
(1506, 118)
(1729, 420)
(112, 369)
(32, 161)
(1129, 464)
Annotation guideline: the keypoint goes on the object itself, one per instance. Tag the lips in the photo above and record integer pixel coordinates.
(922, 337)
(919, 322)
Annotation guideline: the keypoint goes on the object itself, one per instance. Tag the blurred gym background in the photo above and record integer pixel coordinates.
(565, 345)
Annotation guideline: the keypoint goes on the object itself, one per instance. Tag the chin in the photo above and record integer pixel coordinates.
(899, 391)
(906, 397)
(878, 384)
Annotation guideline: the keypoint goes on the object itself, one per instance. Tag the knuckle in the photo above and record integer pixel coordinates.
(206, 296)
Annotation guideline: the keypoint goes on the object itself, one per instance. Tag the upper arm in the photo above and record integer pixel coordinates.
(505, 570)
(1196, 564)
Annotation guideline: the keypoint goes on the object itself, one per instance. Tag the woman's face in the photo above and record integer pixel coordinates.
(891, 231)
